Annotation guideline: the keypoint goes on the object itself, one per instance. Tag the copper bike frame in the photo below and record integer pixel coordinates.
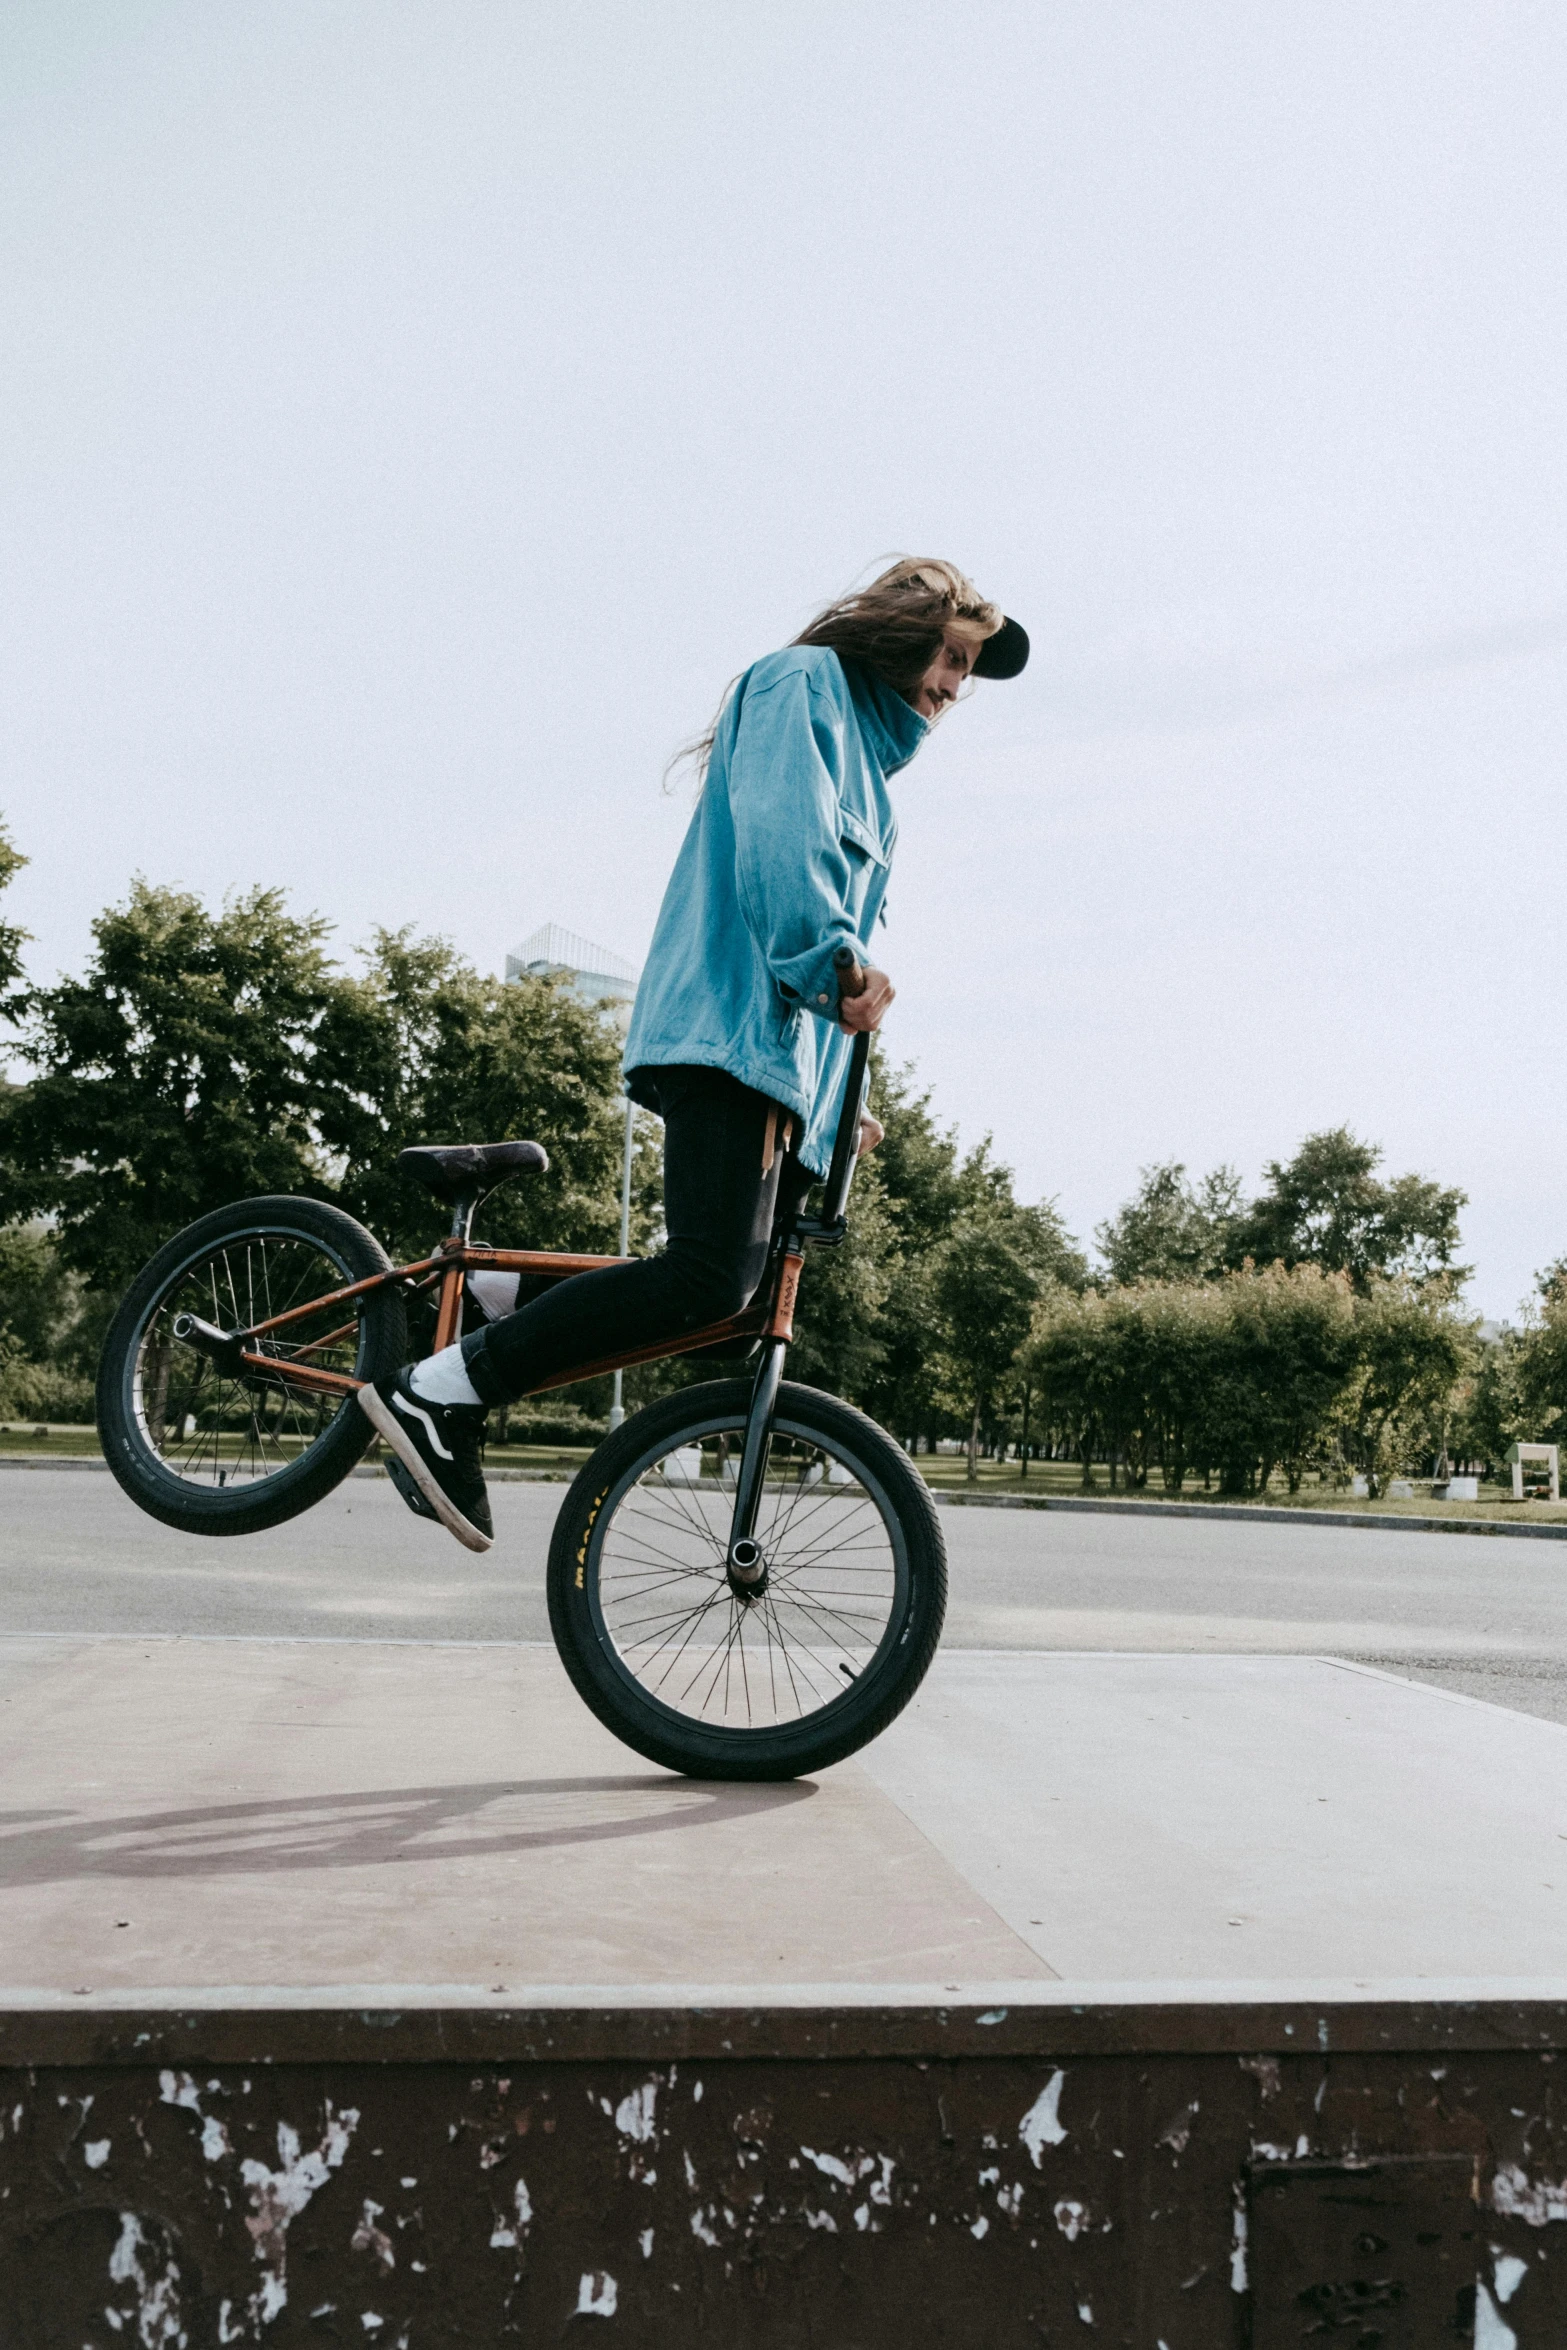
(450, 1264)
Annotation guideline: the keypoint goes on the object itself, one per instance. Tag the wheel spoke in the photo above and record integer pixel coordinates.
(831, 1600)
(215, 1431)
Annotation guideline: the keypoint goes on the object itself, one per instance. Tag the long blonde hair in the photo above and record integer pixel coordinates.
(894, 628)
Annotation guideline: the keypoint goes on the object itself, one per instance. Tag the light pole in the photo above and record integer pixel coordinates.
(617, 1409)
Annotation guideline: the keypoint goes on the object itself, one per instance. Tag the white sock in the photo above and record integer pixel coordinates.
(494, 1294)
(443, 1378)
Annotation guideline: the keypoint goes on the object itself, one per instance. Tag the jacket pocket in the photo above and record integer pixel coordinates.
(858, 836)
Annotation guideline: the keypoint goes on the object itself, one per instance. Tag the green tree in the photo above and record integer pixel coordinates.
(12, 940)
(844, 1292)
(422, 1048)
(178, 1074)
(1413, 1349)
(932, 1193)
(1283, 1348)
(1327, 1206)
(984, 1289)
(1171, 1229)
(39, 1296)
(1522, 1381)
(1243, 1373)
(917, 1171)
(48, 1343)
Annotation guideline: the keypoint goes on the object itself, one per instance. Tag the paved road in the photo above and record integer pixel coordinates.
(1470, 1613)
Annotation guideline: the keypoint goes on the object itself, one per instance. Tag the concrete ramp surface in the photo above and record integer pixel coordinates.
(371, 1991)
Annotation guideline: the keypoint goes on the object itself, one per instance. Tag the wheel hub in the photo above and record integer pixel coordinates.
(747, 1569)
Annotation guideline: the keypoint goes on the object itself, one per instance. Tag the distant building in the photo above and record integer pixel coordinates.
(593, 974)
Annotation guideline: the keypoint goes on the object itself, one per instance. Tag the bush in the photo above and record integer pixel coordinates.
(43, 1391)
(1247, 1374)
(563, 1423)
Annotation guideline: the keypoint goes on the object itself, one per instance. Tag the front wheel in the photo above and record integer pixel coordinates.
(215, 1454)
(714, 1680)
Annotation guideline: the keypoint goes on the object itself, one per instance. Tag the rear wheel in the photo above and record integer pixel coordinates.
(215, 1454)
(708, 1678)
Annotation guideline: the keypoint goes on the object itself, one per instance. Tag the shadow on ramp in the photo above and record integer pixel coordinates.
(373, 1827)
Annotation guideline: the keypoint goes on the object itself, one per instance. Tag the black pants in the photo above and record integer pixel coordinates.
(719, 1202)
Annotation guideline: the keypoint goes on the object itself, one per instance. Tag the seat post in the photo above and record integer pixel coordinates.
(448, 1318)
(463, 1205)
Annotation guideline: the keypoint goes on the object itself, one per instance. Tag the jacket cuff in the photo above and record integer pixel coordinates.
(811, 979)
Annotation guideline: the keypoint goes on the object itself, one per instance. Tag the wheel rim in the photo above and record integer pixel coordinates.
(215, 1433)
(671, 1623)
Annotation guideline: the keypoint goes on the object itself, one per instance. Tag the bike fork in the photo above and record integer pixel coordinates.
(747, 1566)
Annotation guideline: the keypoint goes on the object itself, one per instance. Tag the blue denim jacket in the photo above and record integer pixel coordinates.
(785, 861)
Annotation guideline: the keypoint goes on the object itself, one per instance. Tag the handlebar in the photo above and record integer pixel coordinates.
(846, 1142)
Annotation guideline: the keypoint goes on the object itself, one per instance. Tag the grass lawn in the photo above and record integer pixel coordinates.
(40, 1443)
(949, 1472)
(945, 1471)
(30, 1436)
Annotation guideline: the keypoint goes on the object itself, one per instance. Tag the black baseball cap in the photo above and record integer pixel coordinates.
(1004, 654)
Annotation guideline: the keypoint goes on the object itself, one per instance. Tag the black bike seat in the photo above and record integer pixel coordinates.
(451, 1168)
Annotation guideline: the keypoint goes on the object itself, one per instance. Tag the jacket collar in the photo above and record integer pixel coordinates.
(892, 728)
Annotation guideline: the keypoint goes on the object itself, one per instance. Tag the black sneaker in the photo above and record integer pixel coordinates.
(403, 1480)
(438, 1445)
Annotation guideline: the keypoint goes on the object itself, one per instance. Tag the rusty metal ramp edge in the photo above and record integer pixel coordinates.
(425, 2023)
(1197, 2165)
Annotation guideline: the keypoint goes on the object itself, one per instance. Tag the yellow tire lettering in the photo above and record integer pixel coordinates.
(587, 1536)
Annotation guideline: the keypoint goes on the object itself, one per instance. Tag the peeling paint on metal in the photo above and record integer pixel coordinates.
(1238, 2241)
(1537, 2202)
(1042, 2126)
(1265, 2070)
(1507, 2273)
(158, 2316)
(179, 2089)
(1492, 2332)
(505, 2236)
(278, 2196)
(367, 2237)
(634, 2114)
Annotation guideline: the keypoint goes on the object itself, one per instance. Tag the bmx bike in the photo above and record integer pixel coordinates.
(746, 1579)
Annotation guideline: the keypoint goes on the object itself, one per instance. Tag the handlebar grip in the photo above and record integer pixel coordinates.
(851, 973)
(845, 1149)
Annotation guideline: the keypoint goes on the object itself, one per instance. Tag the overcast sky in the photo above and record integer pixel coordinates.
(414, 416)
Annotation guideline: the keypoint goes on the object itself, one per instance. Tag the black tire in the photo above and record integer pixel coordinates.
(243, 1454)
(635, 1546)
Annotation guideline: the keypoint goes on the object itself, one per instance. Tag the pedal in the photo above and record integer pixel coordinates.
(410, 1492)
